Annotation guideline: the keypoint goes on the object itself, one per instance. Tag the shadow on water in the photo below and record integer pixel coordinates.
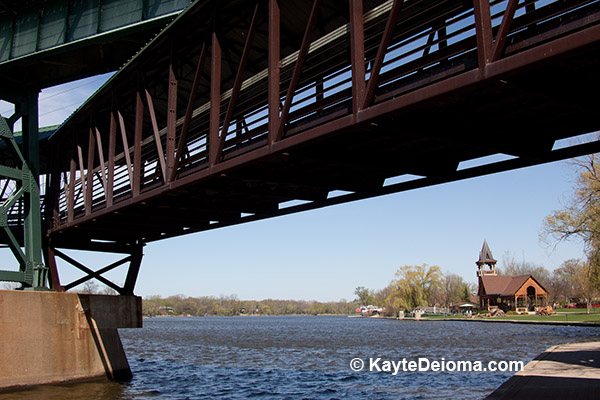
(97, 390)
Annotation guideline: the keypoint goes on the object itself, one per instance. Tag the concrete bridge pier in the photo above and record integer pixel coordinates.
(50, 337)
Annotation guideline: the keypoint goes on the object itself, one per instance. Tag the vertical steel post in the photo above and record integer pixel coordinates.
(134, 269)
(357, 51)
(171, 117)
(215, 98)
(274, 69)
(33, 217)
(72, 171)
(112, 144)
(137, 142)
(483, 30)
(89, 175)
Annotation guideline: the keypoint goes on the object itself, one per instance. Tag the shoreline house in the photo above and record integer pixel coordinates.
(517, 293)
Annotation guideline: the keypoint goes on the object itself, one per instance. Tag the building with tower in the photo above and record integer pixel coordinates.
(518, 293)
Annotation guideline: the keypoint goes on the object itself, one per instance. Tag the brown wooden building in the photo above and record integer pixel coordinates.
(517, 293)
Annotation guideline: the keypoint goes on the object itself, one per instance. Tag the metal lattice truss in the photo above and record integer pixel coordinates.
(240, 108)
(20, 215)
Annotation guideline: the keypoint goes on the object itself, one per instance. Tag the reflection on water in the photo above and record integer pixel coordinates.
(308, 357)
(88, 390)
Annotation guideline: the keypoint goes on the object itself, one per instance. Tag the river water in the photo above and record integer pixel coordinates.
(308, 357)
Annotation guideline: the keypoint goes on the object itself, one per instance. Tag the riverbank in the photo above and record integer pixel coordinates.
(567, 371)
(508, 321)
(564, 318)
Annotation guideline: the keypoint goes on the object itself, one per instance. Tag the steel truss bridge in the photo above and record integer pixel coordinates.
(245, 110)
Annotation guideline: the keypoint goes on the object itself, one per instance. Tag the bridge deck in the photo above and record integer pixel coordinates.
(408, 91)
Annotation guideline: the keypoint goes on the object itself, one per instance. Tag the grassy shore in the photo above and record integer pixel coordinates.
(562, 315)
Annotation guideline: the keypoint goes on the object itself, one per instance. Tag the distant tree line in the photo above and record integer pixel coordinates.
(232, 305)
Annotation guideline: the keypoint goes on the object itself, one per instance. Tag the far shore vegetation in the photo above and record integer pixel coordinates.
(232, 305)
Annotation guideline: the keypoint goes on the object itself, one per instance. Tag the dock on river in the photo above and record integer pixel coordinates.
(566, 371)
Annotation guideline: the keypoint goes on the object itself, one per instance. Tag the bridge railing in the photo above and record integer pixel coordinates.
(403, 46)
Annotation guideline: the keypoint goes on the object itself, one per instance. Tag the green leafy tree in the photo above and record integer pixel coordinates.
(466, 293)
(151, 306)
(414, 286)
(580, 218)
(579, 281)
(364, 296)
(454, 289)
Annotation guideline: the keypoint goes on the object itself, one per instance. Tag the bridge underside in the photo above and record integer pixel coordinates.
(319, 103)
(435, 103)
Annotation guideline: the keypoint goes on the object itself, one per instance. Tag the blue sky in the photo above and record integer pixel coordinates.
(325, 254)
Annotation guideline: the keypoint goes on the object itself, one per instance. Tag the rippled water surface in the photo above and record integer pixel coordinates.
(309, 358)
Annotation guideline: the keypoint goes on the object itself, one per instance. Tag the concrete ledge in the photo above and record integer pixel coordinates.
(49, 337)
(568, 371)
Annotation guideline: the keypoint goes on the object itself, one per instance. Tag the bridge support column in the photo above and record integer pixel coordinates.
(49, 337)
(32, 274)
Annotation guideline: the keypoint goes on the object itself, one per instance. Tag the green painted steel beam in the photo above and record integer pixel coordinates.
(12, 276)
(57, 41)
(10, 172)
(32, 271)
(54, 23)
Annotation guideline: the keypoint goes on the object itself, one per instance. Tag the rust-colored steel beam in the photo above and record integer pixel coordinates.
(357, 52)
(156, 132)
(82, 178)
(50, 261)
(137, 142)
(112, 144)
(126, 146)
(432, 68)
(215, 98)
(171, 118)
(274, 69)
(507, 19)
(289, 97)
(53, 191)
(134, 268)
(483, 30)
(381, 51)
(71, 193)
(101, 160)
(237, 85)
(189, 110)
(89, 172)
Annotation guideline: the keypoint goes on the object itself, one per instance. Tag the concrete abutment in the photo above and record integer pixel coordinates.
(50, 337)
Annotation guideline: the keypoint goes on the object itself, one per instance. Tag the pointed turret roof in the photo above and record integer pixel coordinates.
(485, 255)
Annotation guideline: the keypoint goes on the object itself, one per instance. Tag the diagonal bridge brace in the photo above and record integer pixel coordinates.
(32, 272)
(134, 260)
